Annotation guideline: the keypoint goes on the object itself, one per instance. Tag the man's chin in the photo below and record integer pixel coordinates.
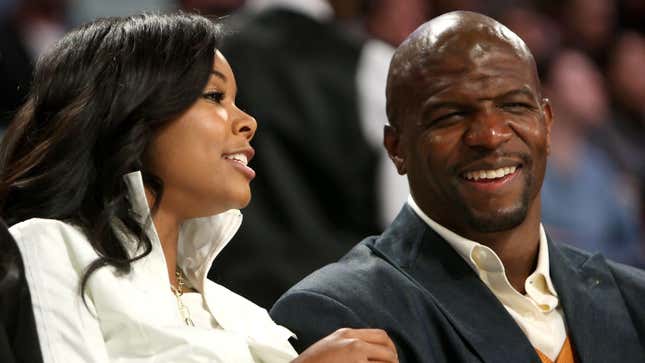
(498, 221)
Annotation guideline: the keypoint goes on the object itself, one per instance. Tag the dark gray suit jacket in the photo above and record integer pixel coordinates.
(411, 283)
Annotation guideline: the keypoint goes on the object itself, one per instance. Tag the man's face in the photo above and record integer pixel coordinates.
(474, 143)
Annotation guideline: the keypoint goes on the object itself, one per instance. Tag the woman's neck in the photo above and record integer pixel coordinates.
(167, 225)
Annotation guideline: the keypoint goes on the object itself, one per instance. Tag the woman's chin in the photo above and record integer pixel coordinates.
(241, 200)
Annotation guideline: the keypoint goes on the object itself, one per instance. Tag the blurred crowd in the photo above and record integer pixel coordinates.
(590, 56)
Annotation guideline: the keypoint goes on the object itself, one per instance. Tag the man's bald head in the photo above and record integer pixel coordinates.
(452, 42)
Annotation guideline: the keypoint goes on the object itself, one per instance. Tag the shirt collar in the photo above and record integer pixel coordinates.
(200, 239)
(316, 9)
(466, 248)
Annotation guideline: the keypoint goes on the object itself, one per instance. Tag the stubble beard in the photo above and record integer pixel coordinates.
(501, 220)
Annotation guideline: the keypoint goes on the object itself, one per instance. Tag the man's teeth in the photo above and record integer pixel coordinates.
(240, 158)
(490, 174)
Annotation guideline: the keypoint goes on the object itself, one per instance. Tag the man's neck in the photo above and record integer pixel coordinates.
(517, 247)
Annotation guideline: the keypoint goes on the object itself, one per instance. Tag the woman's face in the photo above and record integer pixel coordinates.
(202, 156)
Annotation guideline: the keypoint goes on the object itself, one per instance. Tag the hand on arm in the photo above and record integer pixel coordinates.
(351, 345)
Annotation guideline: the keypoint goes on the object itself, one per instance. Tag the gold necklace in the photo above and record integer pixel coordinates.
(179, 291)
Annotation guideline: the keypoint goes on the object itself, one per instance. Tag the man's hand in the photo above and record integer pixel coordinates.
(351, 345)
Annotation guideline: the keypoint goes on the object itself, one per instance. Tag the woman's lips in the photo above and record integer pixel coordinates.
(239, 161)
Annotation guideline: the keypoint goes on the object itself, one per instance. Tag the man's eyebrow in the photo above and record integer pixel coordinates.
(518, 92)
(436, 104)
(219, 75)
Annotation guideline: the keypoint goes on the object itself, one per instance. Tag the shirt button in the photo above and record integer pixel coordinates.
(480, 254)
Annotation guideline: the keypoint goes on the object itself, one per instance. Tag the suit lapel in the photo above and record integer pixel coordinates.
(475, 313)
(597, 319)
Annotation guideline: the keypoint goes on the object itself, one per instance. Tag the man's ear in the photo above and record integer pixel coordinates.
(392, 143)
(548, 122)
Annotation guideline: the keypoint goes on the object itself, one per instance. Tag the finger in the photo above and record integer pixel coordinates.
(377, 352)
(374, 336)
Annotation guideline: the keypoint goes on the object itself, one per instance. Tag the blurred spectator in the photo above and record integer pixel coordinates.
(211, 7)
(623, 138)
(590, 25)
(584, 200)
(319, 97)
(444, 6)
(541, 34)
(314, 193)
(26, 30)
(409, 14)
(82, 11)
(631, 14)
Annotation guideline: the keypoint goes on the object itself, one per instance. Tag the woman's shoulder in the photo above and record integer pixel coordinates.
(49, 228)
(40, 238)
(37, 226)
(237, 313)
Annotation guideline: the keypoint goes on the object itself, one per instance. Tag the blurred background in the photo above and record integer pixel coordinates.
(313, 74)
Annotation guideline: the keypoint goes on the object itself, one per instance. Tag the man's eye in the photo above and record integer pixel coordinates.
(517, 106)
(447, 118)
(214, 96)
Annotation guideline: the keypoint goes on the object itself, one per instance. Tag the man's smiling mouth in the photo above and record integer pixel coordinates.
(489, 174)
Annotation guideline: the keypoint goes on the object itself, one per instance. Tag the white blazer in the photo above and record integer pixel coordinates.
(134, 317)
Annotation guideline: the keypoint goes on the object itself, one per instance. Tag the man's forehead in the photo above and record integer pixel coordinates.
(456, 37)
(474, 41)
(449, 46)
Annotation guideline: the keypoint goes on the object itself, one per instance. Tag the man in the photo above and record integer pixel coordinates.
(466, 273)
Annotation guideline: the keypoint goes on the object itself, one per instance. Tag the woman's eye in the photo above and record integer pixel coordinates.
(214, 96)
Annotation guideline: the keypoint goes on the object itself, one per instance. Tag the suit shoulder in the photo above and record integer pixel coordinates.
(628, 274)
(358, 271)
(574, 253)
(620, 271)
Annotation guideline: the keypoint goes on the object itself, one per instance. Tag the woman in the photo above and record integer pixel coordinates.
(122, 175)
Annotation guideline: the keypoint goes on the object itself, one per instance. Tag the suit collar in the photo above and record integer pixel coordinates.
(475, 313)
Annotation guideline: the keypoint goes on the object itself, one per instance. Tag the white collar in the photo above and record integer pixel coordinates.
(200, 239)
(466, 249)
(316, 9)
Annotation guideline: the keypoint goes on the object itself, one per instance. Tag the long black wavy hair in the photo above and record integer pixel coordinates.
(97, 99)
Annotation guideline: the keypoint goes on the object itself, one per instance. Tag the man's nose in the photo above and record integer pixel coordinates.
(489, 129)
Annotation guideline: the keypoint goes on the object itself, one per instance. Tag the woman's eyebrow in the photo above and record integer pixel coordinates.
(218, 74)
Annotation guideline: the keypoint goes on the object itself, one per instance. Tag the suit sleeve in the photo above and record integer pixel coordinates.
(68, 331)
(312, 316)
